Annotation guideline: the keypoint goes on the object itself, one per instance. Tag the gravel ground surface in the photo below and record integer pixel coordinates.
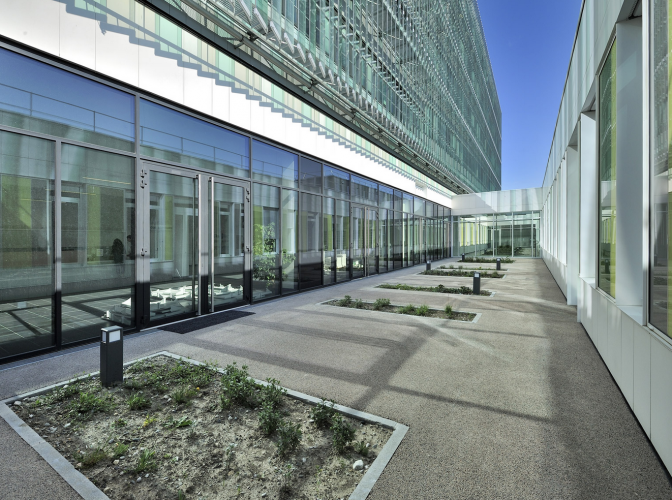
(518, 405)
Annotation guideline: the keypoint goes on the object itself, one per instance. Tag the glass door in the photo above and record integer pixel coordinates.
(358, 218)
(371, 241)
(169, 241)
(229, 248)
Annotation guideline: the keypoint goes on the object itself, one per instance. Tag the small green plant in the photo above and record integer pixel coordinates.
(409, 309)
(423, 310)
(359, 304)
(120, 422)
(450, 266)
(183, 395)
(448, 310)
(92, 458)
(323, 413)
(181, 495)
(119, 450)
(273, 392)
(132, 384)
(90, 403)
(362, 449)
(381, 304)
(269, 419)
(346, 301)
(289, 438)
(238, 387)
(138, 401)
(64, 392)
(287, 472)
(177, 423)
(146, 462)
(148, 421)
(343, 433)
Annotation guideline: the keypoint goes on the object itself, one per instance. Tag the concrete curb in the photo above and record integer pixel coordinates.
(485, 297)
(77, 481)
(89, 491)
(475, 320)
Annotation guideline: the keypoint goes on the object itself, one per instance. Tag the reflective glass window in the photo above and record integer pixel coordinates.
(386, 197)
(398, 204)
(342, 240)
(419, 206)
(408, 203)
(606, 279)
(266, 241)
(364, 191)
(310, 176)
(170, 135)
(97, 241)
(274, 165)
(328, 238)
(336, 182)
(290, 240)
(26, 244)
(39, 97)
(311, 248)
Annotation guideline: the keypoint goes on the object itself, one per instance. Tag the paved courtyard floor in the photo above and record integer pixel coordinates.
(516, 406)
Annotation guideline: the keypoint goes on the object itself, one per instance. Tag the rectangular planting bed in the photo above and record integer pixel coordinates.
(180, 429)
(504, 260)
(462, 290)
(384, 305)
(462, 273)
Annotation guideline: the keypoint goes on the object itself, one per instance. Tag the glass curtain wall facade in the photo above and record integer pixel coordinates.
(503, 235)
(105, 226)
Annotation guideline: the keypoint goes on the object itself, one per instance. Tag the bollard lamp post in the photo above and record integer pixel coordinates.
(477, 284)
(499, 264)
(111, 355)
(429, 265)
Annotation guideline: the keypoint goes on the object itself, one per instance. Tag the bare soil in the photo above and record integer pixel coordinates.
(195, 448)
(410, 310)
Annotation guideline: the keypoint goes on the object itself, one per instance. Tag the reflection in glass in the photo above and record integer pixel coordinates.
(26, 244)
(266, 242)
(419, 206)
(39, 97)
(404, 236)
(386, 198)
(523, 236)
(384, 245)
(371, 241)
(228, 246)
(398, 240)
(97, 242)
(274, 165)
(311, 176)
(364, 191)
(290, 240)
(328, 238)
(408, 203)
(336, 182)
(606, 278)
(398, 203)
(342, 240)
(174, 136)
(311, 254)
(358, 249)
(173, 236)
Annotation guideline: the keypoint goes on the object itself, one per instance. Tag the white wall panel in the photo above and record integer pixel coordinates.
(33, 22)
(160, 75)
(198, 91)
(627, 357)
(642, 377)
(661, 400)
(614, 339)
(239, 110)
(77, 38)
(221, 96)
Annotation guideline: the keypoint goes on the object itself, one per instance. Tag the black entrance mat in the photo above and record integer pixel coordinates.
(205, 321)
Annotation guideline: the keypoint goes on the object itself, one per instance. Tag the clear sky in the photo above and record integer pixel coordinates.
(530, 42)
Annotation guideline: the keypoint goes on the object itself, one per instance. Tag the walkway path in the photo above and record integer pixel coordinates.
(518, 405)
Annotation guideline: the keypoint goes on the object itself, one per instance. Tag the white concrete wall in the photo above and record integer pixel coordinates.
(518, 200)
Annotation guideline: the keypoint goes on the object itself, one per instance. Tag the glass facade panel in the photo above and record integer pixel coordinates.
(311, 248)
(358, 242)
(336, 182)
(266, 242)
(39, 97)
(290, 240)
(173, 233)
(310, 176)
(173, 136)
(606, 278)
(386, 198)
(364, 191)
(342, 240)
(523, 236)
(419, 206)
(398, 201)
(384, 246)
(503, 236)
(404, 235)
(97, 242)
(228, 246)
(328, 239)
(407, 203)
(27, 244)
(274, 165)
(661, 189)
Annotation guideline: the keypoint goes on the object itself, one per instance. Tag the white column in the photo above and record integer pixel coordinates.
(572, 224)
(588, 212)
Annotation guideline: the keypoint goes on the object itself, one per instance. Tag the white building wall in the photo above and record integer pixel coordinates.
(637, 355)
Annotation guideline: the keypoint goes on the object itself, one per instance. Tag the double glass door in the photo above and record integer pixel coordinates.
(364, 241)
(193, 246)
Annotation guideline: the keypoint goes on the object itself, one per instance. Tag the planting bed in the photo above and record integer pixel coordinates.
(462, 273)
(463, 290)
(384, 305)
(179, 430)
(504, 260)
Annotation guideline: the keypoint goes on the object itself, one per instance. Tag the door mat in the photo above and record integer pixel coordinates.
(204, 321)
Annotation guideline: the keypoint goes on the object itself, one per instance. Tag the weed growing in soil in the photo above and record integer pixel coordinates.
(362, 449)
(138, 401)
(88, 403)
(423, 310)
(146, 462)
(359, 304)
(273, 392)
(183, 395)
(269, 419)
(462, 290)
(132, 384)
(120, 422)
(92, 458)
(172, 423)
(346, 301)
(344, 433)
(323, 413)
(409, 309)
(381, 304)
(238, 387)
(448, 310)
(119, 450)
(289, 438)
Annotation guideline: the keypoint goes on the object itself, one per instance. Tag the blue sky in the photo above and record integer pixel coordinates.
(530, 42)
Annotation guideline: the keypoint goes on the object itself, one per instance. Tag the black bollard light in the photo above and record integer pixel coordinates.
(111, 355)
(477, 284)
(499, 264)
(429, 265)
(462, 257)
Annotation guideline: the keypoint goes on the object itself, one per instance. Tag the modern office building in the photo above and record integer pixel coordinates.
(166, 159)
(606, 192)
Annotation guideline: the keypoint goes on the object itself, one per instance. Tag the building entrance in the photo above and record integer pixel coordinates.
(364, 241)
